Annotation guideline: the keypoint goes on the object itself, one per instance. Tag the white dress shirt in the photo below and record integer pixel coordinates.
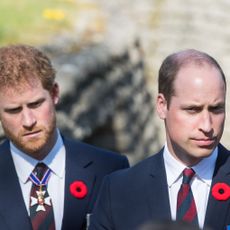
(55, 160)
(200, 183)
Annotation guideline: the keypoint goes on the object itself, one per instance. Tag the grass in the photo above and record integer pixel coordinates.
(33, 21)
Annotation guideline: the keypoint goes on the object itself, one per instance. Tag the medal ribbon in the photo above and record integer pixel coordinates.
(44, 179)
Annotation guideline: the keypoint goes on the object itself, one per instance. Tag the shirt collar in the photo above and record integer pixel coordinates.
(25, 164)
(204, 169)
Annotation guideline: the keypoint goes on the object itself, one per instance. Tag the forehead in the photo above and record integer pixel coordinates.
(21, 87)
(22, 94)
(194, 73)
(199, 82)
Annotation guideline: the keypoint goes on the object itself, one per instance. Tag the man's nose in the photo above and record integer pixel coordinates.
(28, 118)
(206, 122)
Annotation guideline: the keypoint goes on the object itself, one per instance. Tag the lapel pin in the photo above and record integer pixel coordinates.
(78, 189)
(221, 191)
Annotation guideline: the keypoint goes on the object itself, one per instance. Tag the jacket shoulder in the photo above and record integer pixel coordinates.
(90, 153)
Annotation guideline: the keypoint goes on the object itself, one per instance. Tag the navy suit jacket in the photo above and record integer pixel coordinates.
(83, 162)
(131, 197)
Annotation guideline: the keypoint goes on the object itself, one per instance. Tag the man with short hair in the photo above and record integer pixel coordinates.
(46, 180)
(189, 178)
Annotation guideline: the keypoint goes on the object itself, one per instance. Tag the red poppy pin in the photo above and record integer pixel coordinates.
(221, 191)
(78, 189)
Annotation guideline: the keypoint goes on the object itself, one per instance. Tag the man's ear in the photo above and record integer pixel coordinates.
(55, 93)
(161, 105)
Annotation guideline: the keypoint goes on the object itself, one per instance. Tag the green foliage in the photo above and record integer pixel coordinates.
(23, 21)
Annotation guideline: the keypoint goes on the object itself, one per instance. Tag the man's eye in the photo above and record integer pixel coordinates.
(35, 104)
(193, 109)
(217, 109)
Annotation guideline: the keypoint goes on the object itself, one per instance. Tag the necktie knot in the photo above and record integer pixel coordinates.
(40, 170)
(188, 174)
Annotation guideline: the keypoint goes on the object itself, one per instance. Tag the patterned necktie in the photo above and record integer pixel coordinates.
(186, 207)
(41, 211)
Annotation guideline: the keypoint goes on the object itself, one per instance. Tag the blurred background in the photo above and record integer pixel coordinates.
(107, 55)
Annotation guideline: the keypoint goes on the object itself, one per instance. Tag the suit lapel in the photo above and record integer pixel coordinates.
(217, 211)
(158, 192)
(12, 205)
(75, 209)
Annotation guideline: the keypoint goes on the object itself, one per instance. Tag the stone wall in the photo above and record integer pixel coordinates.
(105, 100)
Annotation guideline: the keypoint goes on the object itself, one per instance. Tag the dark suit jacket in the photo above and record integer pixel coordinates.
(83, 162)
(131, 197)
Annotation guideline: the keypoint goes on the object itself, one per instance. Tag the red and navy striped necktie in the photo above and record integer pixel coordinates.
(186, 207)
(41, 210)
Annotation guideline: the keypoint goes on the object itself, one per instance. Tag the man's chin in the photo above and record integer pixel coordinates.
(204, 152)
(31, 148)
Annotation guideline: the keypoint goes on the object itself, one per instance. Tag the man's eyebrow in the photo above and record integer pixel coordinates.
(36, 101)
(9, 109)
(221, 104)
